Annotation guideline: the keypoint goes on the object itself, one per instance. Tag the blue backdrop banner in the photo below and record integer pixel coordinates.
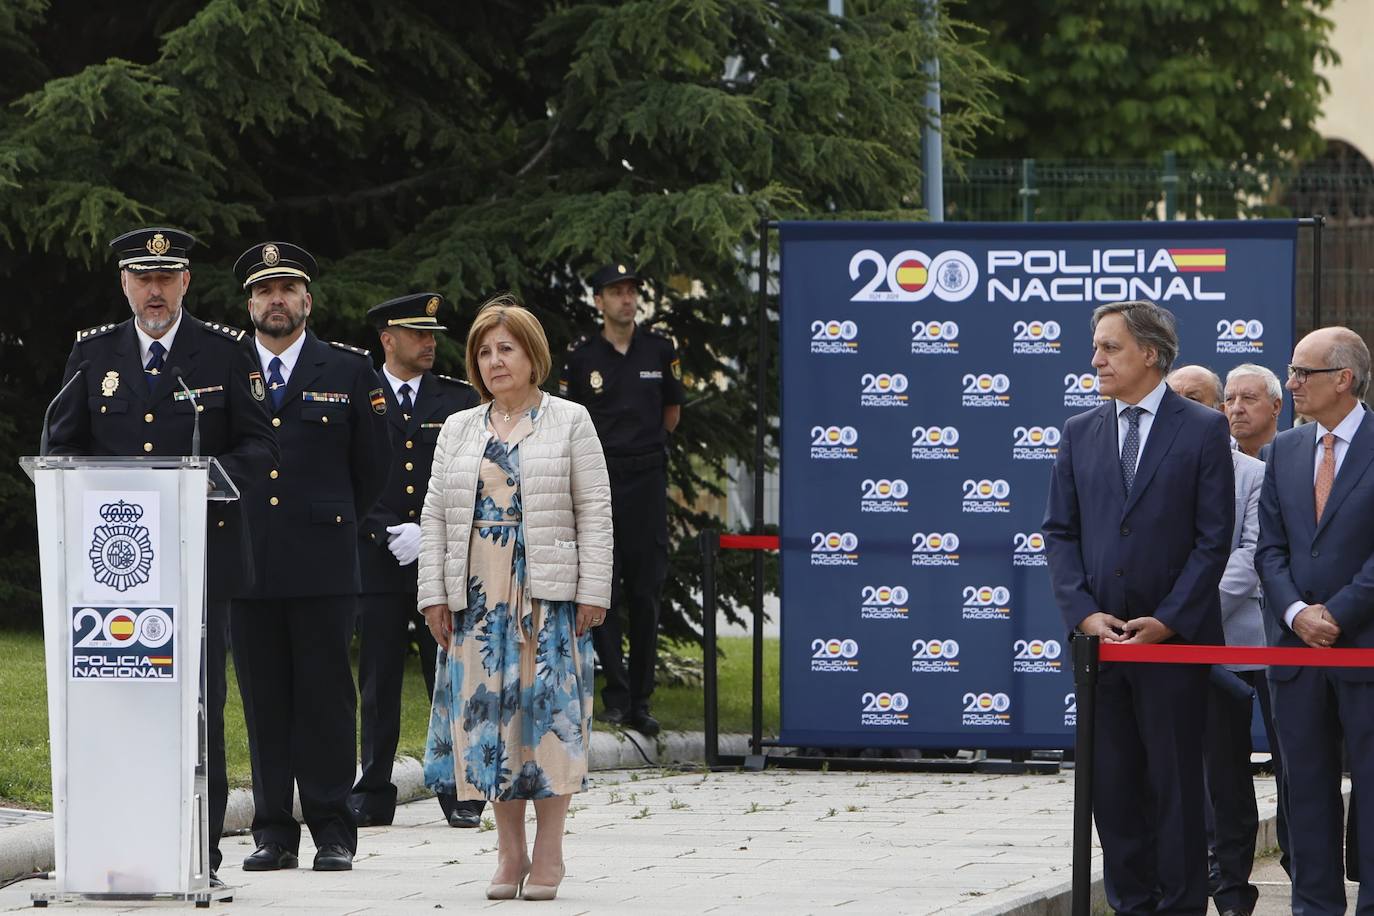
(927, 370)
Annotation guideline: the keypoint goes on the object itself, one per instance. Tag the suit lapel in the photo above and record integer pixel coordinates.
(425, 401)
(1305, 448)
(1104, 435)
(130, 369)
(1357, 458)
(393, 406)
(314, 356)
(1163, 429)
(183, 353)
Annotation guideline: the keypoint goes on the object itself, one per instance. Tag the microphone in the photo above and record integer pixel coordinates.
(195, 411)
(47, 415)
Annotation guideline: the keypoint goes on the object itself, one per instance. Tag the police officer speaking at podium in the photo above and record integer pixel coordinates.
(132, 402)
(291, 631)
(417, 403)
(629, 379)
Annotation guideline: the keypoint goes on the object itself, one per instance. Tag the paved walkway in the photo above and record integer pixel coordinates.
(651, 841)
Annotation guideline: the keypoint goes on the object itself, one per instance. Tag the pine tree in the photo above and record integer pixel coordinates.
(467, 148)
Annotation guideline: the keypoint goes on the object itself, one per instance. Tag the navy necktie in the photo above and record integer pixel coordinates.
(1130, 449)
(275, 383)
(407, 405)
(155, 362)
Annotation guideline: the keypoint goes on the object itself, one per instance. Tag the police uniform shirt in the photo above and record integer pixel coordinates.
(288, 359)
(335, 451)
(121, 410)
(413, 443)
(145, 341)
(625, 393)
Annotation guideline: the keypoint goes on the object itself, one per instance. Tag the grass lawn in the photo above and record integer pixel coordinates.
(24, 776)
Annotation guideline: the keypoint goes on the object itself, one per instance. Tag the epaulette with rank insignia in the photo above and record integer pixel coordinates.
(229, 331)
(350, 348)
(96, 331)
(452, 380)
(579, 342)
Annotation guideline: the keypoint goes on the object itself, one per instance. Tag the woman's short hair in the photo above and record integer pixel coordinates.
(506, 310)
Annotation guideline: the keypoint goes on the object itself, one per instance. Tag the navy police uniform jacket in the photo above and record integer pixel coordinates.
(413, 444)
(304, 511)
(114, 412)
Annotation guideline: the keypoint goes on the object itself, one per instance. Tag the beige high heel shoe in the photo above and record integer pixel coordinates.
(509, 891)
(544, 891)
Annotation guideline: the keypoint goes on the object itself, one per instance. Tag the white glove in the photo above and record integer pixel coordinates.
(404, 542)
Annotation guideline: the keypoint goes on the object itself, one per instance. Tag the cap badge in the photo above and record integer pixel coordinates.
(158, 244)
(432, 306)
(620, 268)
(270, 255)
(595, 380)
(109, 383)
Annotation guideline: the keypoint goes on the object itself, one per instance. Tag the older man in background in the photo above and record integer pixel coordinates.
(1232, 815)
(1253, 401)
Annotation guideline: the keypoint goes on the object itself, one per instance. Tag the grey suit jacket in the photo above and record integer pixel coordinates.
(1242, 618)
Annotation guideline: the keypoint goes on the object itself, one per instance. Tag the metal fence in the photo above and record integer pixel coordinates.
(1338, 186)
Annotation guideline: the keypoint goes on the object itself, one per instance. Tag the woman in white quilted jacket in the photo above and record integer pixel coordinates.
(515, 570)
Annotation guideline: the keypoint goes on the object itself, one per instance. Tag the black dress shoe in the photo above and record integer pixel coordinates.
(457, 818)
(214, 880)
(270, 857)
(613, 715)
(645, 724)
(363, 818)
(333, 857)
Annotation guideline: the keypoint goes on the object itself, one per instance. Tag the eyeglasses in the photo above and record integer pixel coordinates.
(1300, 374)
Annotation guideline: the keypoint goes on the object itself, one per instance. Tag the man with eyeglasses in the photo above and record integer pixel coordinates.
(1316, 562)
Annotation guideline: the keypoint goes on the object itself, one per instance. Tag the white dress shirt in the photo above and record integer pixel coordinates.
(396, 384)
(288, 358)
(1344, 432)
(1151, 405)
(145, 341)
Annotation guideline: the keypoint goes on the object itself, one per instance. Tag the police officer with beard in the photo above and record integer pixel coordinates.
(131, 403)
(629, 379)
(292, 630)
(418, 402)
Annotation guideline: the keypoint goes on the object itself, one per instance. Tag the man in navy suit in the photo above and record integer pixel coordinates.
(1138, 530)
(1316, 562)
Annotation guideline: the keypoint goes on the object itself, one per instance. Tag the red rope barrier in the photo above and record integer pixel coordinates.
(1237, 655)
(749, 542)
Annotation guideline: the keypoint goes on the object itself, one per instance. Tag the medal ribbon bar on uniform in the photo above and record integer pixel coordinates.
(182, 395)
(330, 397)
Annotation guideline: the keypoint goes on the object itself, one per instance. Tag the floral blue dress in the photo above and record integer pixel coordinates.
(512, 711)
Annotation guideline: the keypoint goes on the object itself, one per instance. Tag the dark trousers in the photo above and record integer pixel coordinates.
(1232, 815)
(1148, 787)
(639, 504)
(1311, 710)
(1266, 703)
(216, 689)
(291, 655)
(384, 631)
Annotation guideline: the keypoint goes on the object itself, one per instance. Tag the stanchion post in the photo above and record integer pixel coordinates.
(1085, 650)
(756, 760)
(710, 541)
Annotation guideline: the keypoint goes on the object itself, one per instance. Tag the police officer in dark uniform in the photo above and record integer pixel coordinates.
(418, 402)
(131, 403)
(291, 631)
(629, 379)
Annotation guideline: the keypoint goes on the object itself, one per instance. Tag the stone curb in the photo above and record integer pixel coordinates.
(28, 848)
